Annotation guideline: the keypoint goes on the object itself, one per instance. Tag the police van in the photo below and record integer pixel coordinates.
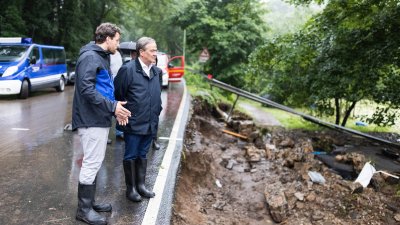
(26, 67)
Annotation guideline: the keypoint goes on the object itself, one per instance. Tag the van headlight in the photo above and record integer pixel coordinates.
(10, 71)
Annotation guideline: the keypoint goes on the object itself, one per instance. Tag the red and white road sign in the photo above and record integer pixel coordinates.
(204, 55)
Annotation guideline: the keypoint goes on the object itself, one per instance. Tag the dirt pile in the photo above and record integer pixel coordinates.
(265, 179)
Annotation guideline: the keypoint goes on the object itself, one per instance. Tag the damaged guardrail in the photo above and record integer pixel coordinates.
(239, 92)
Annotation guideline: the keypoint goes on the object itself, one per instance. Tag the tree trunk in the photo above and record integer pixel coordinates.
(337, 107)
(348, 112)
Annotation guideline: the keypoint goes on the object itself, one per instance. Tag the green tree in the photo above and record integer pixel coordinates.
(230, 30)
(11, 22)
(344, 55)
(153, 19)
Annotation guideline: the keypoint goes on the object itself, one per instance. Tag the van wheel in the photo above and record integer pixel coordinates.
(24, 93)
(61, 85)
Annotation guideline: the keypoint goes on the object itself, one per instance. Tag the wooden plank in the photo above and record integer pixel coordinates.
(235, 134)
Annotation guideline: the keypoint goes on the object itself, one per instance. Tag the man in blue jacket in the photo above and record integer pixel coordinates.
(137, 82)
(93, 107)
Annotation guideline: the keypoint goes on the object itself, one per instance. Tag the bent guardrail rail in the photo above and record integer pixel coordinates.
(257, 98)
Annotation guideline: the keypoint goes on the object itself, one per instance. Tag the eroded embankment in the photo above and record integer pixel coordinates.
(228, 180)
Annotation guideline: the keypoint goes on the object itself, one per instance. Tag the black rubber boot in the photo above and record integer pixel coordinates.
(141, 165)
(130, 181)
(101, 207)
(156, 145)
(85, 211)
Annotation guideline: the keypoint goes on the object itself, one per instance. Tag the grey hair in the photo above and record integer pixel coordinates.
(142, 42)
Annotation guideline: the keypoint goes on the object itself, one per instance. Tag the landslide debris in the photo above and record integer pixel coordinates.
(265, 179)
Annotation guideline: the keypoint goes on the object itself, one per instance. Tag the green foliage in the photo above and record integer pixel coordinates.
(199, 87)
(11, 23)
(340, 57)
(230, 30)
(72, 23)
(305, 2)
(153, 19)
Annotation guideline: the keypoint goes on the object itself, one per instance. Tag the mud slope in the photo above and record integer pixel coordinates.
(264, 179)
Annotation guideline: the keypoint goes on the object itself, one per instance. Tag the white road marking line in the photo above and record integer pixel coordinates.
(168, 138)
(16, 128)
(150, 216)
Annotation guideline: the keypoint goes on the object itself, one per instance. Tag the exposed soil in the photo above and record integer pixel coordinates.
(264, 179)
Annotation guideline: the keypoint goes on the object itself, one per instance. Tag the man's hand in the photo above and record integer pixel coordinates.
(122, 121)
(122, 114)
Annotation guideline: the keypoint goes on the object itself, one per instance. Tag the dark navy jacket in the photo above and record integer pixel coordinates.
(94, 103)
(143, 95)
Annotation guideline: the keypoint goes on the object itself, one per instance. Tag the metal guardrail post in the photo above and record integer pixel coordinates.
(233, 106)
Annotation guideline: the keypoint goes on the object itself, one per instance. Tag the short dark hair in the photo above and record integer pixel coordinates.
(142, 42)
(105, 30)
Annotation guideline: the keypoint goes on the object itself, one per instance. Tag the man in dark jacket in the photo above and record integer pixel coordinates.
(137, 82)
(92, 110)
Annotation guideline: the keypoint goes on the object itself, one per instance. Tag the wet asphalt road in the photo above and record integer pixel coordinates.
(40, 162)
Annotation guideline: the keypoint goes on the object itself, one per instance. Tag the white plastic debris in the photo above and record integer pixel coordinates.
(367, 172)
(316, 177)
(218, 183)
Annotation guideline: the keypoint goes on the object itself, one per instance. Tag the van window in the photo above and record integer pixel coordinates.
(35, 52)
(11, 53)
(53, 56)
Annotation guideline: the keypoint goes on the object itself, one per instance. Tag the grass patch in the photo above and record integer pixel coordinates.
(291, 121)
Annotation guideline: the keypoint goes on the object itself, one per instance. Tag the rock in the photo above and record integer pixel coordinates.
(224, 162)
(306, 146)
(303, 170)
(342, 185)
(253, 136)
(330, 204)
(285, 178)
(246, 127)
(287, 142)
(259, 142)
(253, 153)
(339, 158)
(356, 188)
(230, 164)
(219, 205)
(256, 206)
(311, 197)
(223, 147)
(289, 163)
(397, 217)
(354, 215)
(276, 201)
(358, 161)
(317, 215)
(269, 155)
(309, 184)
(299, 205)
(234, 124)
(299, 196)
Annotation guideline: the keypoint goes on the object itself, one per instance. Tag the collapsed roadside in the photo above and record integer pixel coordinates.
(265, 178)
